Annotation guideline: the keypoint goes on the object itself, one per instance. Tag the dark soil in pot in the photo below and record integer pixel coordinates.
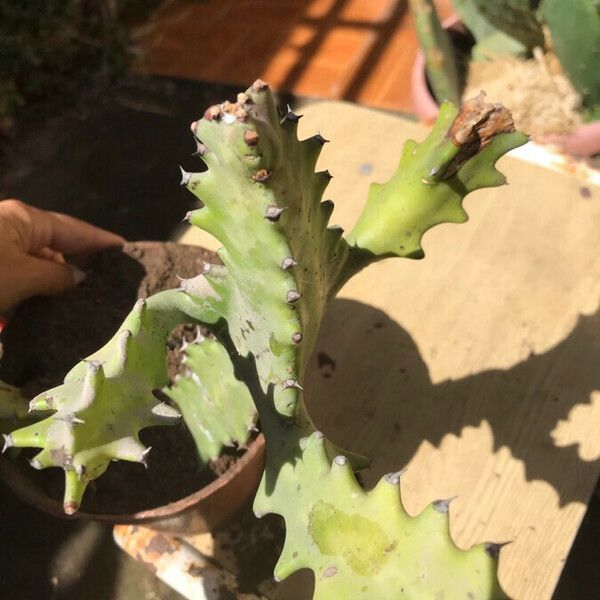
(47, 336)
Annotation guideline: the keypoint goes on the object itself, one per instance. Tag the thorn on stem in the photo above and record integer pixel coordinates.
(493, 549)
(394, 478)
(143, 458)
(293, 296)
(201, 149)
(185, 176)
(80, 471)
(287, 263)
(291, 116)
(291, 383)
(139, 306)
(273, 212)
(442, 506)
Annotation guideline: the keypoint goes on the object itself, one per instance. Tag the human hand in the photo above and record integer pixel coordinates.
(582, 141)
(32, 243)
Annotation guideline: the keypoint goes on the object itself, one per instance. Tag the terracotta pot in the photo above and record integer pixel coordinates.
(425, 106)
(201, 511)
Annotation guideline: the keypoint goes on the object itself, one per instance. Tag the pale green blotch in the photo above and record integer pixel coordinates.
(361, 541)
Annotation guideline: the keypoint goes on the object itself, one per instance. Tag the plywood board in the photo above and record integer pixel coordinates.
(478, 367)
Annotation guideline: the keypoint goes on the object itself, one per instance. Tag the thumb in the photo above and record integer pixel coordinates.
(42, 277)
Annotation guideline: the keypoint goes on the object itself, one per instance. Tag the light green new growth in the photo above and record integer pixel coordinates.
(107, 399)
(282, 263)
(216, 407)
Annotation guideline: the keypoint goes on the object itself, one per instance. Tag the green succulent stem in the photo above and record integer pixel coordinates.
(430, 183)
(107, 398)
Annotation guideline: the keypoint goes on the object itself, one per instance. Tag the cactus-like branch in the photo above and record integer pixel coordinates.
(364, 545)
(282, 265)
(217, 408)
(108, 398)
(431, 181)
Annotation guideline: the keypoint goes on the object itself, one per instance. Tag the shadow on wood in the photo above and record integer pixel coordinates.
(368, 373)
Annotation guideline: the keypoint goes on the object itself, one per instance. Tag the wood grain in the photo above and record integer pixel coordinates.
(477, 368)
(359, 50)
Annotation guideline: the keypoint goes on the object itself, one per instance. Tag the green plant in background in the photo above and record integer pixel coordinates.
(516, 18)
(490, 40)
(575, 30)
(515, 27)
(440, 58)
(50, 48)
(282, 264)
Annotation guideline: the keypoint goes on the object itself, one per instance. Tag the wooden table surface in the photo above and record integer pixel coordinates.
(477, 368)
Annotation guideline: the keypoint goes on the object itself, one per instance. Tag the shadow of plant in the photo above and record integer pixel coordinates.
(371, 371)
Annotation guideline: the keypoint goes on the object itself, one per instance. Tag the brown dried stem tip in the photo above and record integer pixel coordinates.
(475, 126)
(480, 122)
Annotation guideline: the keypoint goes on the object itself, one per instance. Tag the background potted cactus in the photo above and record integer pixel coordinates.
(281, 265)
(539, 57)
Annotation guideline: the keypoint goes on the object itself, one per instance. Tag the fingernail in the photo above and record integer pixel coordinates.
(78, 274)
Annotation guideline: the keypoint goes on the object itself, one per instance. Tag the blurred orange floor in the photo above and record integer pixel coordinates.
(357, 50)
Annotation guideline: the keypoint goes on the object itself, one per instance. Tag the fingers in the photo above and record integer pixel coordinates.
(581, 141)
(50, 255)
(34, 276)
(32, 243)
(71, 235)
(38, 229)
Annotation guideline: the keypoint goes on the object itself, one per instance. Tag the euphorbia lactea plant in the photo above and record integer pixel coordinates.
(282, 263)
